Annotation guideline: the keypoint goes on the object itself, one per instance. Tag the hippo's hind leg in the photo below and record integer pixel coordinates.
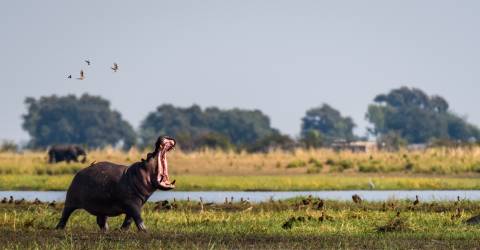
(102, 222)
(67, 211)
(127, 222)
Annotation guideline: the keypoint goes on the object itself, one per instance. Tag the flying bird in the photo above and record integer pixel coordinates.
(69, 76)
(115, 67)
(88, 62)
(82, 76)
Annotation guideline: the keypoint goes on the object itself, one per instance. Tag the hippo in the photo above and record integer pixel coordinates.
(106, 189)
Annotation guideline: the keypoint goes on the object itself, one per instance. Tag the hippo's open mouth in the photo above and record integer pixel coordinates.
(163, 181)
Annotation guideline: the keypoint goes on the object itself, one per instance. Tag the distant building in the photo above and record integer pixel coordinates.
(417, 146)
(355, 146)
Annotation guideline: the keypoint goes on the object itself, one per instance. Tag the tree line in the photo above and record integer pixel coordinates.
(402, 116)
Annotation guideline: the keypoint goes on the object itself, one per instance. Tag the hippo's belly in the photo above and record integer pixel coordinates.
(103, 208)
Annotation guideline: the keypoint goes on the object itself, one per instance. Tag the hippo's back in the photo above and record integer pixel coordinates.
(95, 186)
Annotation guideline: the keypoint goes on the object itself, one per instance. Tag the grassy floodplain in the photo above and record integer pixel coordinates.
(240, 225)
(264, 183)
(323, 169)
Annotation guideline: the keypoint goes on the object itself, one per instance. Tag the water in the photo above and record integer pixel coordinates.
(259, 196)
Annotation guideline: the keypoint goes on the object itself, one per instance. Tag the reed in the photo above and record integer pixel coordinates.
(438, 161)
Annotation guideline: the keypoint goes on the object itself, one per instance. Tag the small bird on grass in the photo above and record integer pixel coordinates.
(356, 198)
(324, 217)
(4, 200)
(163, 205)
(417, 201)
(289, 223)
(18, 202)
(201, 205)
(457, 202)
(11, 200)
(307, 201)
(320, 204)
(52, 204)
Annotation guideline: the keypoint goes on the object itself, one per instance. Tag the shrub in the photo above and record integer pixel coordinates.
(313, 170)
(345, 164)
(409, 166)
(316, 163)
(330, 162)
(368, 168)
(476, 167)
(296, 164)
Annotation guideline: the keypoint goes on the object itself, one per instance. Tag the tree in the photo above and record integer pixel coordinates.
(329, 123)
(272, 142)
(391, 141)
(312, 139)
(416, 117)
(188, 125)
(213, 140)
(87, 120)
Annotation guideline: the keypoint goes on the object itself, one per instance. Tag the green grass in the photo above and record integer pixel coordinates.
(241, 226)
(274, 183)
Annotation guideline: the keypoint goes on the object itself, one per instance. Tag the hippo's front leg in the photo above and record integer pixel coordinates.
(126, 223)
(134, 212)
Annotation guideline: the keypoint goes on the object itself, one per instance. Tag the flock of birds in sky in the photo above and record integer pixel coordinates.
(88, 62)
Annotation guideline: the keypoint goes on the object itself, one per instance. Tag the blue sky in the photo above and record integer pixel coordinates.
(282, 57)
